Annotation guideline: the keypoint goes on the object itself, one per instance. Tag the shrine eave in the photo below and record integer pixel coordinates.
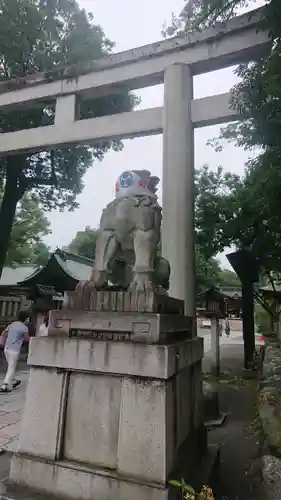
(62, 271)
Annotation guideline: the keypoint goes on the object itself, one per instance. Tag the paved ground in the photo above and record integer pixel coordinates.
(235, 338)
(11, 406)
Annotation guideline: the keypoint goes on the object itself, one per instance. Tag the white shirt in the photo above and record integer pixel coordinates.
(43, 331)
(15, 336)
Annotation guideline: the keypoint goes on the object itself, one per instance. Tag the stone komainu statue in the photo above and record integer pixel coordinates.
(128, 238)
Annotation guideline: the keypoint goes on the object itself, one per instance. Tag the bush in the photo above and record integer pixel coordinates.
(188, 493)
(263, 320)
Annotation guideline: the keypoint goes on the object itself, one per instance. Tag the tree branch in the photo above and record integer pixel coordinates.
(38, 181)
(53, 171)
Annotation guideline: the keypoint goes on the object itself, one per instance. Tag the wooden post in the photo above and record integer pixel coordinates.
(215, 346)
(248, 322)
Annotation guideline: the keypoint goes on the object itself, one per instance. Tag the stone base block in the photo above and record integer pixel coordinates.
(31, 479)
(65, 480)
(113, 326)
(122, 358)
(109, 420)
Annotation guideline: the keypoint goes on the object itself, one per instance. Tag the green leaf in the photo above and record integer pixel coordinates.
(176, 483)
(186, 488)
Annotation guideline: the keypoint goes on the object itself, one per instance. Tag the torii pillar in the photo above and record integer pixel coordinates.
(178, 234)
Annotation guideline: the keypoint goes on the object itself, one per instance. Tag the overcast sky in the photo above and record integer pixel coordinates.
(132, 23)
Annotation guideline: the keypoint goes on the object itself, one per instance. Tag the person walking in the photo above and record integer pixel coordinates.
(13, 336)
(43, 329)
(227, 327)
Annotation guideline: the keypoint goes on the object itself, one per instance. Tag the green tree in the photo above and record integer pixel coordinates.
(46, 36)
(207, 271)
(228, 278)
(200, 14)
(84, 243)
(29, 226)
(224, 215)
(41, 254)
(217, 206)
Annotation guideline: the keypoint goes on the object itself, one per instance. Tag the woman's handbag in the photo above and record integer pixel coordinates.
(3, 338)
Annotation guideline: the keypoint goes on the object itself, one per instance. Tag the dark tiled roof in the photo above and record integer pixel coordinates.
(12, 275)
(78, 267)
(75, 266)
(269, 288)
(231, 292)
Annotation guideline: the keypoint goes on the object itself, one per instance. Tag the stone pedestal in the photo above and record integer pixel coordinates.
(113, 406)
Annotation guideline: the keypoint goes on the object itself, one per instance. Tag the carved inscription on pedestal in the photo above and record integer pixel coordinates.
(95, 335)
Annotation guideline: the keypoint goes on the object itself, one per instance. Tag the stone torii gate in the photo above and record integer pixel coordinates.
(173, 62)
